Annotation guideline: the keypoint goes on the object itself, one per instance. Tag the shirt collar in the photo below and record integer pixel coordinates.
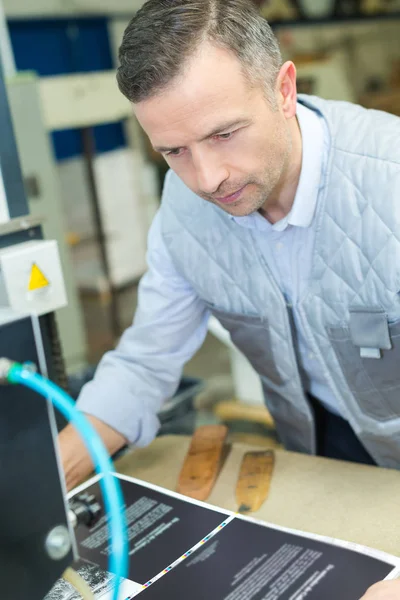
(305, 201)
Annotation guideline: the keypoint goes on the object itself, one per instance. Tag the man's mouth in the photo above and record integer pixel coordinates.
(231, 198)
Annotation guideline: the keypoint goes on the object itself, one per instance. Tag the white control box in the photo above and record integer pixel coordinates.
(31, 278)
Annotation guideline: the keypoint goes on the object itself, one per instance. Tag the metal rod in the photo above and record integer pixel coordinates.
(89, 154)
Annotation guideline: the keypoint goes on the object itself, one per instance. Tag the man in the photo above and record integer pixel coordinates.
(280, 217)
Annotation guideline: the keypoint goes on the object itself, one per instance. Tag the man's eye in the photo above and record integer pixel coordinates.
(225, 136)
(174, 152)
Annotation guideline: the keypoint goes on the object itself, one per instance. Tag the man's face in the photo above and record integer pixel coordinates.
(218, 133)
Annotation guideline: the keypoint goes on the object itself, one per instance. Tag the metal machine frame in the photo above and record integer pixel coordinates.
(36, 540)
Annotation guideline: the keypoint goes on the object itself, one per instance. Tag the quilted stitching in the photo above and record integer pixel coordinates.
(356, 260)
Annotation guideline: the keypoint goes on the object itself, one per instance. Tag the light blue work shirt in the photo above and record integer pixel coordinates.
(171, 321)
(288, 245)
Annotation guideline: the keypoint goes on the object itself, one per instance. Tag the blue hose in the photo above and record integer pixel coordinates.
(111, 489)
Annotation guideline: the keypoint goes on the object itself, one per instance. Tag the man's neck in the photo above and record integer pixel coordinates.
(281, 200)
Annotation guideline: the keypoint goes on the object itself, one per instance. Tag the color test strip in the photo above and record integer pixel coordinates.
(190, 552)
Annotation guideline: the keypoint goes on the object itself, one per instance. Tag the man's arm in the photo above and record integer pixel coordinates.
(133, 381)
(76, 461)
(385, 590)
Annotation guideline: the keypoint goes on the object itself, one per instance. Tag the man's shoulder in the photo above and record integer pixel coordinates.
(358, 131)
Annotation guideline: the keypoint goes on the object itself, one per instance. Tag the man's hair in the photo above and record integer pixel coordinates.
(164, 34)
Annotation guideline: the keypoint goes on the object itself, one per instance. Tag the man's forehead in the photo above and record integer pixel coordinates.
(223, 126)
(178, 112)
(168, 126)
(212, 77)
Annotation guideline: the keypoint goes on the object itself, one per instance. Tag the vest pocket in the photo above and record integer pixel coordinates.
(374, 383)
(252, 337)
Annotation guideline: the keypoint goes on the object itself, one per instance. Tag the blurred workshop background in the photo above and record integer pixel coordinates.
(90, 173)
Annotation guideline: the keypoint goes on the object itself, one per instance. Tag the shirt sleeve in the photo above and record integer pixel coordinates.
(133, 381)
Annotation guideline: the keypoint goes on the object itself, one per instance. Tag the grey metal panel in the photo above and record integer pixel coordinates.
(9, 161)
(21, 236)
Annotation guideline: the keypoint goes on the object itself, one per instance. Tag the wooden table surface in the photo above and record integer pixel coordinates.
(353, 502)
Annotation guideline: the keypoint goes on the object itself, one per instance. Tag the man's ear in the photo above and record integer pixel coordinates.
(286, 89)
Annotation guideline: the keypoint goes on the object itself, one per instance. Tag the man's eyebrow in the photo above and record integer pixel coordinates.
(219, 129)
(224, 126)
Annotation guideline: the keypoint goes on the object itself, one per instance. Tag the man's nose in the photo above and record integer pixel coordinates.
(210, 171)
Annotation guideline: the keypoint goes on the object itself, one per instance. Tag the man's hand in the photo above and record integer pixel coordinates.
(76, 461)
(384, 590)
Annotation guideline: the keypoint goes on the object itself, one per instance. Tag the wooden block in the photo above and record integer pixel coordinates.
(236, 411)
(254, 439)
(203, 461)
(254, 480)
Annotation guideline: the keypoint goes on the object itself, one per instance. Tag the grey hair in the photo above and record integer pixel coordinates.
(164, 34)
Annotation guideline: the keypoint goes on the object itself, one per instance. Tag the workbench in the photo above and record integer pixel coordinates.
(352, 502)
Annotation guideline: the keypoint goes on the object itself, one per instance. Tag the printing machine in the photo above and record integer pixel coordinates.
(36, 532)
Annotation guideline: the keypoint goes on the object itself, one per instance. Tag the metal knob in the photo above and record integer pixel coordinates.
(86, 509)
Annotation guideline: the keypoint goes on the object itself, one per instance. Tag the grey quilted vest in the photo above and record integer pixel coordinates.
(351, 308)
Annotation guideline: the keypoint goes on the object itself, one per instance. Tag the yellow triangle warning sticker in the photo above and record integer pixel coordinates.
(37, 279)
